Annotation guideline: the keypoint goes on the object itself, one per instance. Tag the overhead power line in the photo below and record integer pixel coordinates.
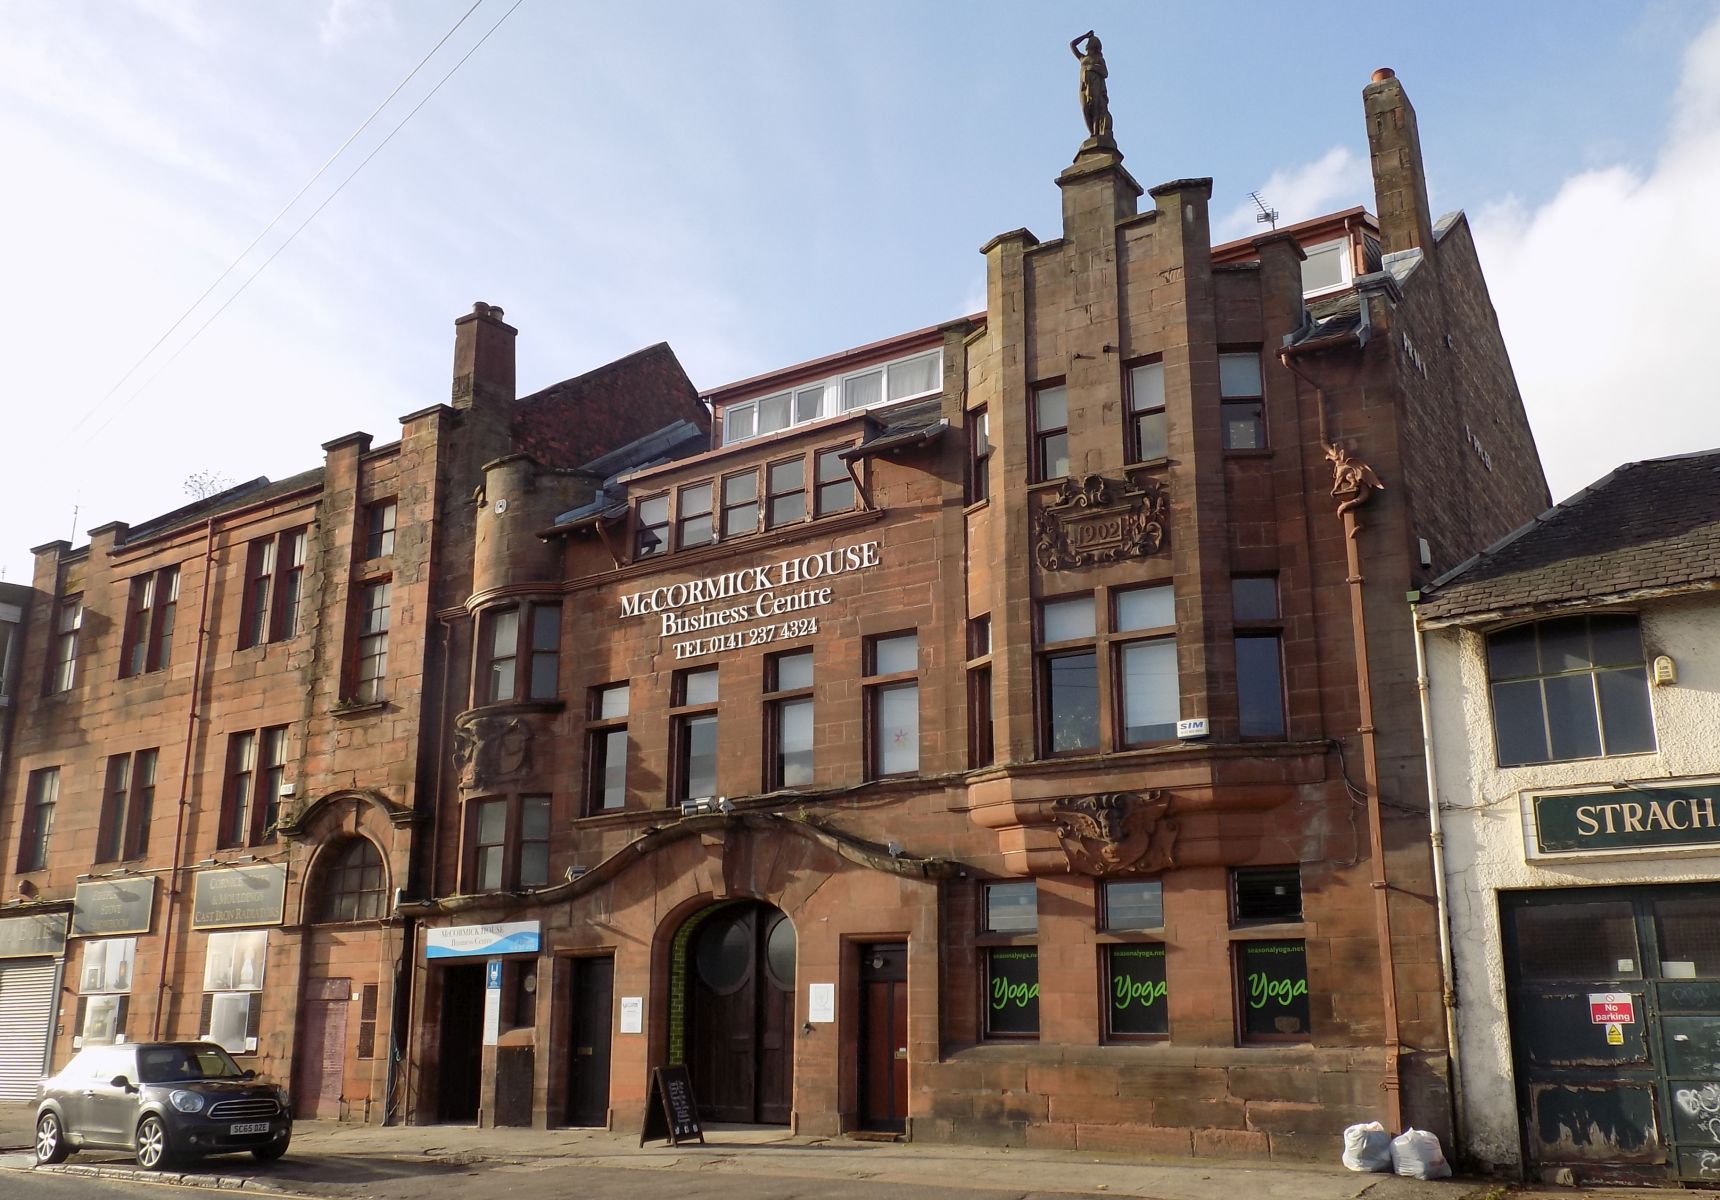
(297, 196)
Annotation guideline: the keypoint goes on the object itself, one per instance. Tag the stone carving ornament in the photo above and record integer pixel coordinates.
(1117, 833)
(1097, 520)
(490, 749)
(1353, 481)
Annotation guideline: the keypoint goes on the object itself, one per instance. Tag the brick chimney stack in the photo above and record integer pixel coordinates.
(1400, 184)
(483, 358)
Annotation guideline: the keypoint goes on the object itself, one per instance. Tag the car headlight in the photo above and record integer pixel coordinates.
(281, 1095)
(184, 1101)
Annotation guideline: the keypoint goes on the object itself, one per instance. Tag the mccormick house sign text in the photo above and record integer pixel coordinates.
(745, 607)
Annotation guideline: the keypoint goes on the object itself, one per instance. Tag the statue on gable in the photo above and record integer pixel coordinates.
(1095, 100)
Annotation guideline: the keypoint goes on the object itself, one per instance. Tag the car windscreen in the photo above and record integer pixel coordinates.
(165, 1064)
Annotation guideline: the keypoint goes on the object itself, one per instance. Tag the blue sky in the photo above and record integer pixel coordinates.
(762, 183)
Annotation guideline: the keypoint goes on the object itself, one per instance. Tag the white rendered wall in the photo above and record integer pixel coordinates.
(1484, 829)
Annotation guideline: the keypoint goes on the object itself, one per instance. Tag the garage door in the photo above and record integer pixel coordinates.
(1615, 1014)
(26, 1020)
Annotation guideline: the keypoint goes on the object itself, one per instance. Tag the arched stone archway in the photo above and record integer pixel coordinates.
(731, 1009)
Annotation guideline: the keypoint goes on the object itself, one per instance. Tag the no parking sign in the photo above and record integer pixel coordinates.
(1612, 1008)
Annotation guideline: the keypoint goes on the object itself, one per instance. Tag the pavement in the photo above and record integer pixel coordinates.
(335, 1159)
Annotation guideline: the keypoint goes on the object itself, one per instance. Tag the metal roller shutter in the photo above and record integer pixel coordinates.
(26, 1021)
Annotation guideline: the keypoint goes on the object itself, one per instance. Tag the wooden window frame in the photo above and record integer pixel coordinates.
(380, 520)
(1117, 647)
(1239, 992)
(1239, 921)
(683, 518)
(873, 686)
(274, 582)
(512, 843)
(259, 588)
(598, 730)
(725, 527)
(526, 654)
(772, 495)
(62, 673)
(980, 450)
(658, 530)
(151, 606)
(982, 750)
(1045, 652)
(1261, 629)
(1042, 435)
(681, 716)
(128, 802)
(1245, 930)
(116, 791)
(822, 487)
(775, 698)
(1256, 400)
(988, 940)
(334, 877)
(41, 797)
(1137, 413)
(291, 556)
(251, 792)
(371, 645)
(140, 811)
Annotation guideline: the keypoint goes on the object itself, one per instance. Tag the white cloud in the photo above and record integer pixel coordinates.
(345, 20)
(1337, 179)
(1605, 294)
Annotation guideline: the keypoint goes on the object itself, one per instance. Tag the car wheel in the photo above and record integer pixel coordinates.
(153, 1153)
(270, 1152)
(50, 1139)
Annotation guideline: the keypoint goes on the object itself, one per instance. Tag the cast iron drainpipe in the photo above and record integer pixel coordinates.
(1393, 1081)
(185, 777)
(1442, 898)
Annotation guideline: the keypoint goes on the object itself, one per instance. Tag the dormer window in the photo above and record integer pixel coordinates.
(1326, 268)
(886, 383)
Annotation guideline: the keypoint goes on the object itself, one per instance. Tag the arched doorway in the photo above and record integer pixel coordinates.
(736, 966)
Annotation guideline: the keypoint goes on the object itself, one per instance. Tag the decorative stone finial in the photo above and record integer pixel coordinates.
(1095, 99)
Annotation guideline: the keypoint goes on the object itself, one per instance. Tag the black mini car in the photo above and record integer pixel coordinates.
(163, 1101)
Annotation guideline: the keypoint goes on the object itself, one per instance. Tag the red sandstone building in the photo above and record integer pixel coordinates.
(1004, 732)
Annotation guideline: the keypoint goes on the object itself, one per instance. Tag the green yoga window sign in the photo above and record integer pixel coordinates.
(1137, 991)
(1012, 992)
(1272, 979)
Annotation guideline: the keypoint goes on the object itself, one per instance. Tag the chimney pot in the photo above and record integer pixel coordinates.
(1384, 73)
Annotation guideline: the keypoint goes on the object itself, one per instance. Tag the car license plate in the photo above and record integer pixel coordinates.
(250, 1127)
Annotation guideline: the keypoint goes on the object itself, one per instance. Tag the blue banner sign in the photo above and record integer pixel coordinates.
(482, 941)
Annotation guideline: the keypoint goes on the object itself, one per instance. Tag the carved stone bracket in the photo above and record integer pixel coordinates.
(490, 749)
(1117, 833)
(1097, 520)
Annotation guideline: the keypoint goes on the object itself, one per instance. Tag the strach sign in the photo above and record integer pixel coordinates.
(1661, 818)
(752, 606)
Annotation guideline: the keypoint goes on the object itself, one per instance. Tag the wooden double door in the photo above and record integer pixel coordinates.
(740, 1014)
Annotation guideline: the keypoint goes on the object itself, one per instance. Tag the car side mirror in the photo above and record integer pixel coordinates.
(247, 1073)
(122, 1083)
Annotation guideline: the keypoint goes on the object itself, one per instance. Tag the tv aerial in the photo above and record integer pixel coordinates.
(1266, 216)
